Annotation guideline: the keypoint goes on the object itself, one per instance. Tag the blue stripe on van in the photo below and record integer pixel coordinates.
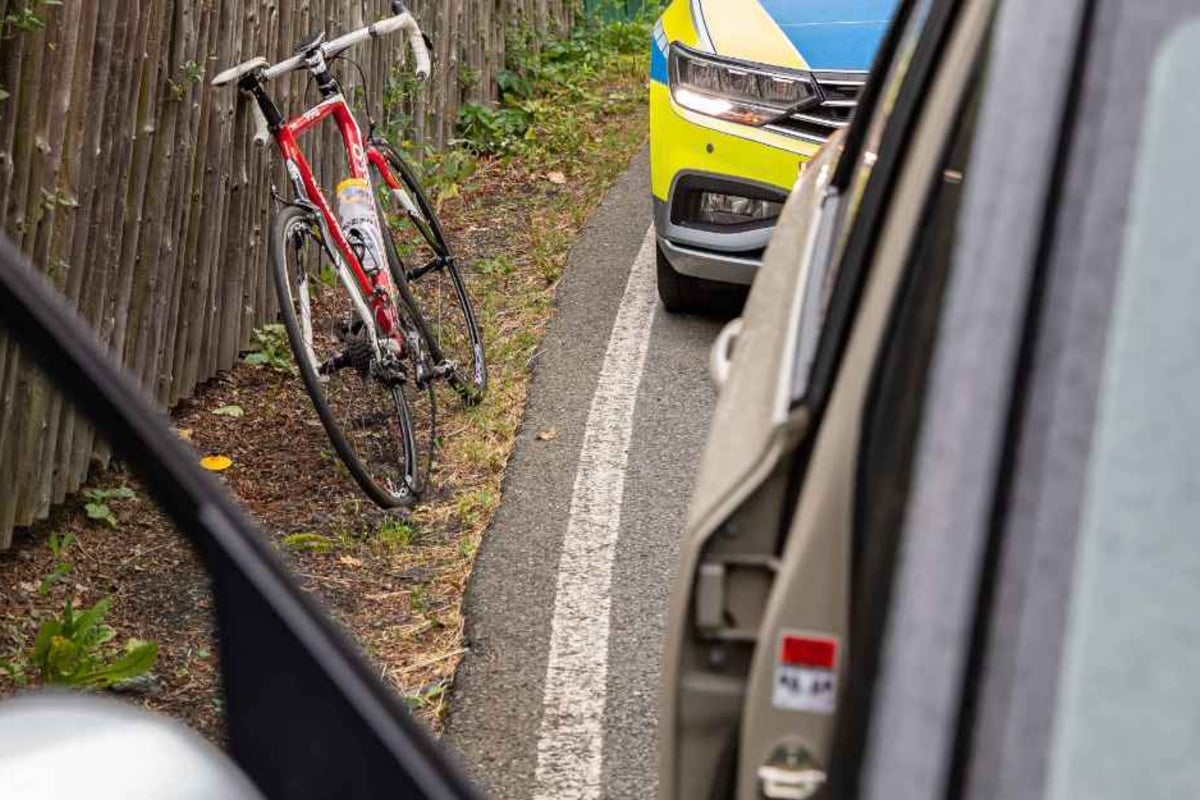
(658, 54)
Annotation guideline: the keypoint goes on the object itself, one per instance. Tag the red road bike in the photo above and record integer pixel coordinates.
(375, 307)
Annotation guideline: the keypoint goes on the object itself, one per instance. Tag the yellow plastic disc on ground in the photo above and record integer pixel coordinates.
(216, 463)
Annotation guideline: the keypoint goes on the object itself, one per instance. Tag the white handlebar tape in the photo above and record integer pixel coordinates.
(405, 22)
(420, 51)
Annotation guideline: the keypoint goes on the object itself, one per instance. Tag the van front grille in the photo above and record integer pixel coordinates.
(839, 97)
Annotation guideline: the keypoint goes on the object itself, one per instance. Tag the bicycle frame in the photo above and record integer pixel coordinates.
(377, 288)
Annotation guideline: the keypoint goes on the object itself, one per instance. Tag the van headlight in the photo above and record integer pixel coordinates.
(752, 94)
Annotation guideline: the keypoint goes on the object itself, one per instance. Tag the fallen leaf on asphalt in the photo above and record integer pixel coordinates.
(556, 177)
(230, 411)
(216, 463)
(548, 435)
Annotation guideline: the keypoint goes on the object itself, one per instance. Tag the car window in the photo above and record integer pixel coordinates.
(1127, 703)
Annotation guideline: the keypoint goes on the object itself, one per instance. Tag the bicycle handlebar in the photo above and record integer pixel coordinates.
(402, 22)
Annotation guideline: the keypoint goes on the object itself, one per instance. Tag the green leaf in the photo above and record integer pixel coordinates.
(61, 570)
(101, 513)
(60, 544)
(256, 359)
(86, 623)
(230, 411)
(119, 493)
(138, 659)
(41, 643)
(63, 661)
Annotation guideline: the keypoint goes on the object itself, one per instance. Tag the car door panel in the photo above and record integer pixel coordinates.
(740, 493)
(813, 581)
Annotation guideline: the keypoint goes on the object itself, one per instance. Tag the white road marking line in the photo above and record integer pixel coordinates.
(571, 744)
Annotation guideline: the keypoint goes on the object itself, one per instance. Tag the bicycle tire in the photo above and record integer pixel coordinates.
(385, 490)
(470, 381)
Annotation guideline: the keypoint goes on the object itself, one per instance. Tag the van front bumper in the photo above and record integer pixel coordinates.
(721, 257)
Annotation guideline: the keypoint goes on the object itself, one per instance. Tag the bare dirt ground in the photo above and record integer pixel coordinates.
(395, 580)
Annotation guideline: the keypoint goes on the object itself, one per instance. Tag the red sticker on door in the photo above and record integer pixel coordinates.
(806, 673)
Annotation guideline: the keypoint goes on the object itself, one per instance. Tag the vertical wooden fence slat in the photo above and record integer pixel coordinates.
(133, 185)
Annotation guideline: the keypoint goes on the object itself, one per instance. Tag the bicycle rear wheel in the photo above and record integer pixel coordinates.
(428, 278)
(381, 423)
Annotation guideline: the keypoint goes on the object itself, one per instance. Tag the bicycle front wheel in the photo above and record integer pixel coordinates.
(381, 423)
(428, 277)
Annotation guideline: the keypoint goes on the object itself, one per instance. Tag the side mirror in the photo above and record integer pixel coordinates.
(59, 746)
(721, 357)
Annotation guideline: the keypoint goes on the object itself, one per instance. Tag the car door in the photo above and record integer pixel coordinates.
(760, 611)
(1054, 487)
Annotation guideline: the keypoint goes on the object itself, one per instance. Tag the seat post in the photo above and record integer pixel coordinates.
(252, 84)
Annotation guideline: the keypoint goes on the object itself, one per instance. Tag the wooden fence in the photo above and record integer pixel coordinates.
(134, 186)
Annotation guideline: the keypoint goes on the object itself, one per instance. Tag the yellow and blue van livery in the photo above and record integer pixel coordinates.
(742, 93)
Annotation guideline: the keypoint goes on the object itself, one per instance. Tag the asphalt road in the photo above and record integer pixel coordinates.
(557, 697)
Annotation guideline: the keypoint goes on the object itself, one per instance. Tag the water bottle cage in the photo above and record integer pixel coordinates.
(363, 246)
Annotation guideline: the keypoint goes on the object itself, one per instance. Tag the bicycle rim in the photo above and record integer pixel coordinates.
(369, 404)
(425, 271)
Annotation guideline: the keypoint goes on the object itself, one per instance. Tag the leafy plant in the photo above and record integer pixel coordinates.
(307, 543)
(74, 649)
(493, 131)
(190, 72)
(394, 534)
(97, 508)
(499, 266)
(428, 696)
(26, 18)
(514, 85)
(269, 348)
(62, 568)
(447, 173)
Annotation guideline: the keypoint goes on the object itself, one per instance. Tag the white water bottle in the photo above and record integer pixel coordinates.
(356, 214)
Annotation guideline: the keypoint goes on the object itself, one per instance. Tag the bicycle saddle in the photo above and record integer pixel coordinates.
(313, 43)
(235, 73)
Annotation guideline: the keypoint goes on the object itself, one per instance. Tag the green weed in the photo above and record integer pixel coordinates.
(98, 509)
(270, 348)
(395, 534)
(74, 648)
(307, 543)
(26, 19)
(62, 568)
